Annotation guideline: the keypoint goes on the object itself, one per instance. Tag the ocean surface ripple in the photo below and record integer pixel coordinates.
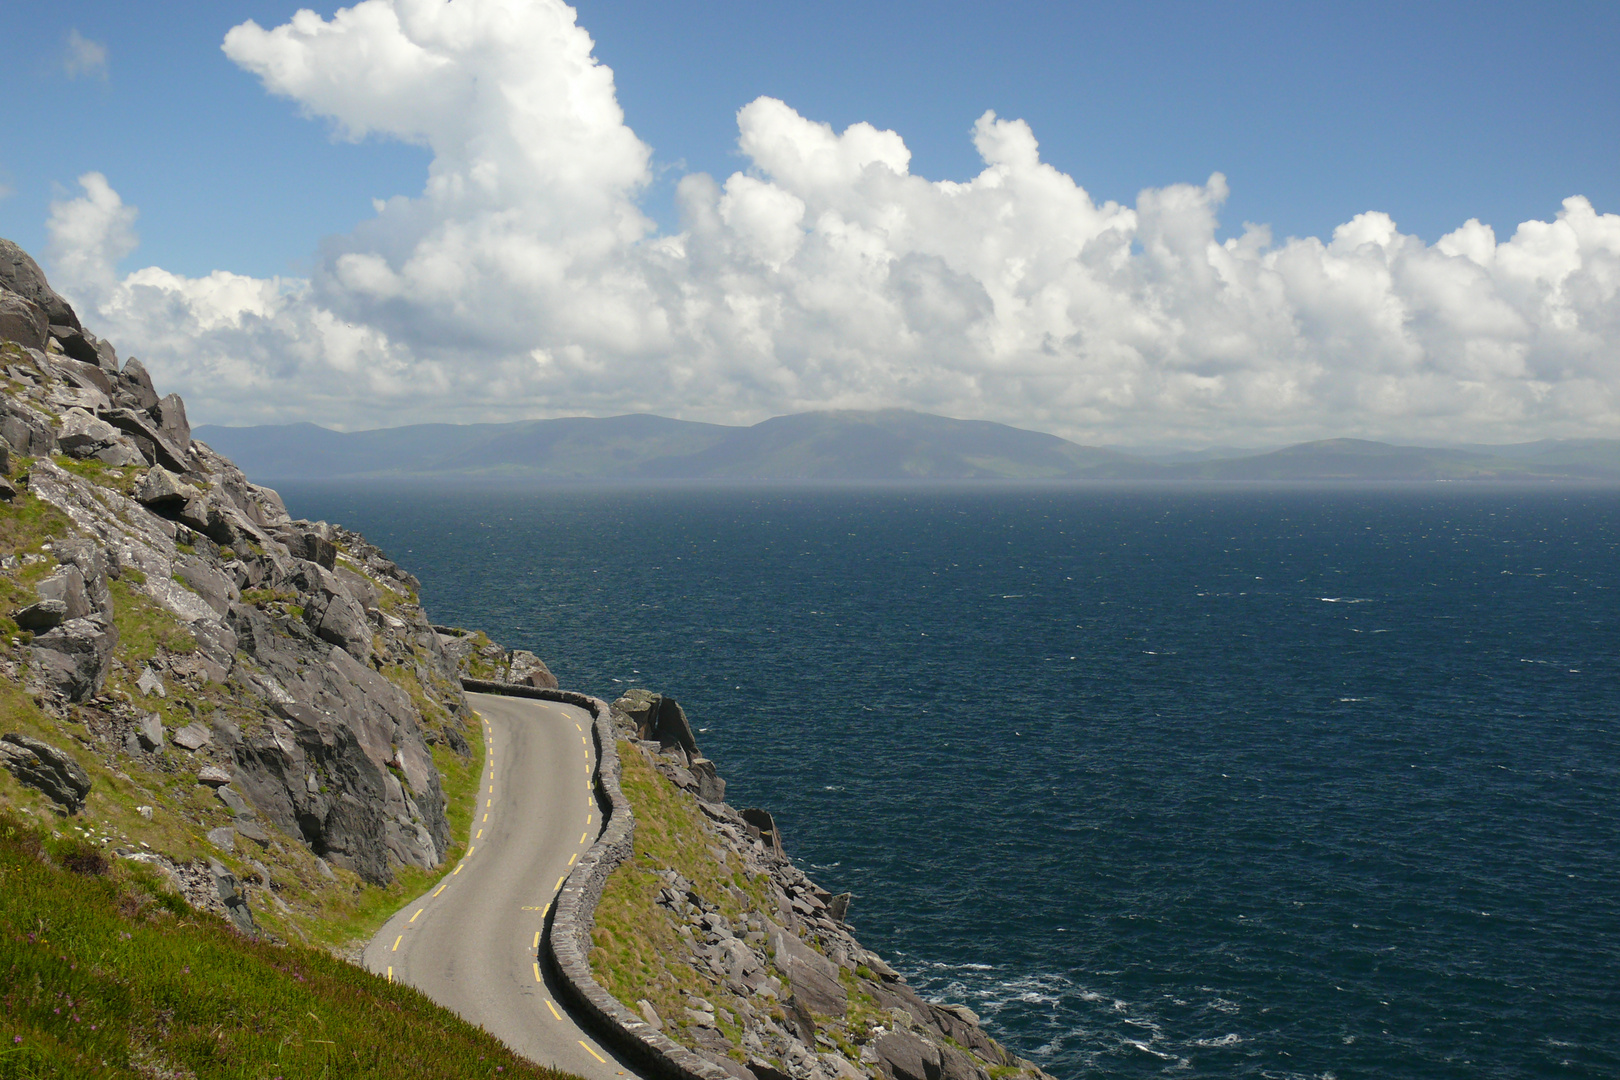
(1241, 783)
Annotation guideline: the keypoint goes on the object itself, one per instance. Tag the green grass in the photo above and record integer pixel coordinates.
(108, 977)
(636, 942)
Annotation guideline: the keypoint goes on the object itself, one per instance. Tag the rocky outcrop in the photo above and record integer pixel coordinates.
(41, 765)
(309, 684)
(793, 994)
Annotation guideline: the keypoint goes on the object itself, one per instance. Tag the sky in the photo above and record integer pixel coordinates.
(1158, 224)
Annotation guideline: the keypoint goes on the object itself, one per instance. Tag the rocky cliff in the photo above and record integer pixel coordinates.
(753, 967)
(251, 701)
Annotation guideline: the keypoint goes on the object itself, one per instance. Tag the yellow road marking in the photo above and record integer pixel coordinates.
(492, 789)
(489, 802)
(441, 888)
(418, 912)
(553, 1009)
(486, 817)
(473, 848)
(584, 740)
(561, 880)
(587, 819)
(390, 972)
(578, 728)
(537, 971)
(396, 943)
(537, 939)
(457, 870)
(480, 836)
(572, 857)
(583, 835)
(591, 1052)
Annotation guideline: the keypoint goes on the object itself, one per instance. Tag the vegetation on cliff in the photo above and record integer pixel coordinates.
(106, 973)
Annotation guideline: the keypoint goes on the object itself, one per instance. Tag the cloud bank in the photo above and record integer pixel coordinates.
(524, 280)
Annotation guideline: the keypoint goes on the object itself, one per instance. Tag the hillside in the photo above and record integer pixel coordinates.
(882, 445)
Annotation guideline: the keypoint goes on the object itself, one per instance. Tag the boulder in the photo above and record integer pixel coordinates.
(72, 659)
(86, 376)
(75, 342)
(710, 787)
(309, 546)
(762, 823)
(231, 894)
(149, 684)
(21, 320)
(164, 492)
(527, 669)
(150, 731)
(41, 616)
(904, 1056)
(81, 434)
(170, 413)
(41, 766)
(91, 561)
(67, 585)
(955, 1065)
(213, 776)
(151, 442)
(134, 387)
(813, 978)
(22, 275)
(26, 430)
(331, 612)
(192, 737)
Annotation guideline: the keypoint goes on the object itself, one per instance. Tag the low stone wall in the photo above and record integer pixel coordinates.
(568, 934)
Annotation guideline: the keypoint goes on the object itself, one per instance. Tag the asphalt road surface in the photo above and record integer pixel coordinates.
(471, 943)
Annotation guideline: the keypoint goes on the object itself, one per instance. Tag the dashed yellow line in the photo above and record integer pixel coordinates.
(583, 835)
(486, 817)
(396, 943)
(418, 912)
(473, 848)
(457, 870)
(591, 1052)
(441, 888)
(572, 857)
(390, 972)
(553, 1009)
(537, 971)
(537, 941)
(480, 836)
(561, 880)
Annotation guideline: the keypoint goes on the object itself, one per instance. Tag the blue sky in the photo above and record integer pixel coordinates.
(1433, 114)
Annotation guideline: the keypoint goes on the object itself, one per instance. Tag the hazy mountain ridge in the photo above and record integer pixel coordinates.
(888, 444)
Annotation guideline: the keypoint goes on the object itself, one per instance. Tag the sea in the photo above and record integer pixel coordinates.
(1160, 782)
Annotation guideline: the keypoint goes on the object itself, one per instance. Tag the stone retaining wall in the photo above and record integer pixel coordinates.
(568, 933)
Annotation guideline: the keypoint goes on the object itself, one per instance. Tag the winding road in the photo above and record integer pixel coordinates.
(472, 942)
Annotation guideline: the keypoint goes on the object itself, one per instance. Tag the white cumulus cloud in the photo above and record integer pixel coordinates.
(525, 280)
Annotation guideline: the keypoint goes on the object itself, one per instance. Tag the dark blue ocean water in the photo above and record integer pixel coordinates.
(1209, 784)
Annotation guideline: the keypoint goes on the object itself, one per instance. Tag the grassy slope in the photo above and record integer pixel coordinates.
(102, 974)
(636, 942)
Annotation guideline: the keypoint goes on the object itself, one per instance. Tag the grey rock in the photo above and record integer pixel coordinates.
(331, 612)
(41, 766)
(85, 375)
(233, 800)
(149, 684)
(223, 838)
(41, 616)
(25, 429)
(192, 737)
(149, 731)
(838, 909)
(22, 320)
(170, 413)
(73, 658)
(218, 591)
(905, 1056)
(527, 669)
(75, 342)
(82, 435)
(153, 444)
(91, 561)
(211, 775)
(812, 977)
(710, 787)
(762, 825)
(67, 585)
(164, 492)
(22, 275)
(134, 386)
(231, 893)
(650, 1014)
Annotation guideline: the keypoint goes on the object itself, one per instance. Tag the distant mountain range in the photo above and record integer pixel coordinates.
(888, 444)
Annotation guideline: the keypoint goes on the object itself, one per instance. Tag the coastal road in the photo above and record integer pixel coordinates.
(471, 943)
